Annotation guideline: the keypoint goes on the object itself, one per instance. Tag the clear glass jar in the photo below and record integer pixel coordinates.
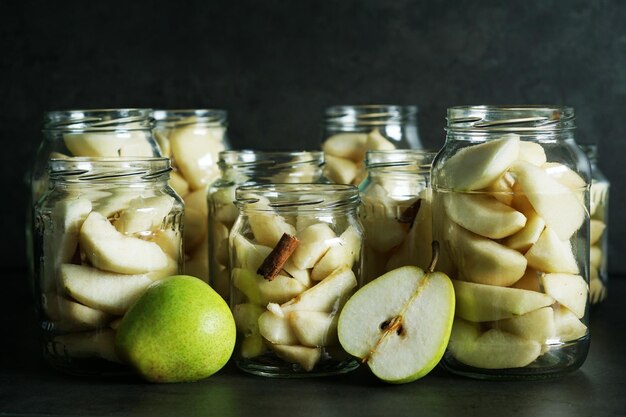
(350, 131)
(106, 229)
(249, 167)
(193, 140)
(286, 302)
(598, 229)
(86, 133)
(395, 210)
(510, 208)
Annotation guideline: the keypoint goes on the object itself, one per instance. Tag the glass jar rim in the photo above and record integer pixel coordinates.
(420, 159)
(250, 158)
(510, 118)
(98, 120)
(369, 114)
(183, 117)
(303, 197)
(87, 169)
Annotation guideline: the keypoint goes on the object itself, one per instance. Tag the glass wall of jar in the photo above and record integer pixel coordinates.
(395, 210)
(106, 229)
(295, 255)
(87, 133)
(350, 131)
(598, 228)
(249, 167)
(193, 139)
(510, 208)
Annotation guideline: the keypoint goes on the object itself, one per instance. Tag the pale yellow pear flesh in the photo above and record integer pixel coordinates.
(525, 238)
(567, 326)
(569, 290)
(314, 241)
(109, 144)
(532, 152)
(247, 318)
(327, 295)
(252, 346)
(71, 316)
(248, 255)
(346, 145)
(538, 325)
(195, 150)
(306, 357)
(341, 253)
(144, 214)
(94, 344)
(269, 227)
(340, 170)
(314, 328)
(276, 329)
(551, 254)
(596, 228)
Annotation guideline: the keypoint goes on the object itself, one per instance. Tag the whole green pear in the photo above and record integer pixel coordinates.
(179, 330)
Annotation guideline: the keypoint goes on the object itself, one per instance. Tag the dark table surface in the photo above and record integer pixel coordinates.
(29, 387)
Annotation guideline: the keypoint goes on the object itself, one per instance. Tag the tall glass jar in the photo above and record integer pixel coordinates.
(395, 210)
(350, 131)
(510, 207)
(249, 167)
(598, 229)
(86, 133)
(106, 229)
(295, 256)
(193, 140)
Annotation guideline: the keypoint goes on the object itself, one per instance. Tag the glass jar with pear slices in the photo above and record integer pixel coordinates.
(350, 131)
(106, 229)
(249, 167)
(511, 210)
(192, 139)
(395, 210)
(108, 133)
(598, 228)
(295, 253)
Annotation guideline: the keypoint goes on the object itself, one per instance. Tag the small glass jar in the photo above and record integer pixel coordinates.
(286, 302)
(86, 133)
(510, 209)
(249, 167)
(598, 228)
(350, 131)
(395, 210)
(193, 140)
(106, 229)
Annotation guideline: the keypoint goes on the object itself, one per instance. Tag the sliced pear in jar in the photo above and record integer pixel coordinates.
(109, 144)
(327, 295)
(306, 357)
(276, 329)
(315, 240)
(550, 254)
(269, 227)
(69, 315)
(568, 326)
(340, 170)
(525, 238)
(93, 344)
(144, 214)
(342, 252)
(351, 146)
(247, 254)
(569, 290)
(538, 325)
(531, 152)
(314, 328)
(596, 229)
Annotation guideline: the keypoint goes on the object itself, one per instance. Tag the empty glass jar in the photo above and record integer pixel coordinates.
(510, 209)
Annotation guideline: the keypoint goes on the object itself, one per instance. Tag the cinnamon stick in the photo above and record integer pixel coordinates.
(409, 214)
(274, 262)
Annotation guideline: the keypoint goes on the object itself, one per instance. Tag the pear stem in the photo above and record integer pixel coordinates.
(435, 258)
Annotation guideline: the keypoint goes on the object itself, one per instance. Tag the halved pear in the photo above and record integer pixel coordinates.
(557, 205)
(106, 291)
(551, 254)
(479, 302)
(538, 325)
(525, 238)
(94, 344)
(304, 356)
(110, 250)
(315, 240)
(475, 167)
(493, 349)
(276, 329)
(596, 228)
(342, 252)
(483, 215)
(568, 326)
(532, 152)
(399, 324)
(68, 315)
(144, 214)
(325, 296)
(314, 328)
(109, 144)
(340, 170)
(346, 145)
(569, 290)
(483, 260)
(247, 255)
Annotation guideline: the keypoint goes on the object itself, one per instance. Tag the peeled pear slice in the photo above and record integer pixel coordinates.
(595, 257)
(475, 167)
(247, 318)
(144, 214)
(195, 229)
(304, 356)
(108, 249)
(537, 325)
(557, 205)
(276, 329)
(195, 151)
(596, 228)
(314, 328)
(479, 302)
(568, 326)
(376, 141)
(116, 201)
(502, 189)
(327, 295)
(483, 215)
(247, 254)
(67, 219)
(109, 144)
(268, 228)
(493, 349)
(351, 146)
(315, 240)
(340, 170)
(198, 200)
(532, 152)
(172, 268)
(94, 344)
(525, 238)
(569, 290)
(223, 207)
(484, 261)
(169, 240)
(342, 252)
(301, 275)
(550, 254)
(106, 291)
(179, 184)
(261, 291)
(71, 316)
(531, 280)
(564, 175)
(252, 346)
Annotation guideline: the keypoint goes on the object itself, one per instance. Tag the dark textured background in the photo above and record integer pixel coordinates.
(276, 64)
